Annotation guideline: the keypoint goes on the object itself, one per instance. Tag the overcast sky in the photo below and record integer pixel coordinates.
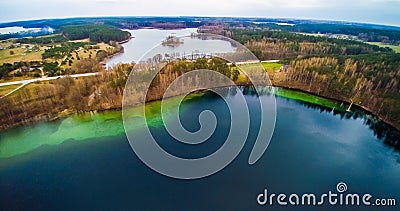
(370, 11)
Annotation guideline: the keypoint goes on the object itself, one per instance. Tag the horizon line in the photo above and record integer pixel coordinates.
(196, 16)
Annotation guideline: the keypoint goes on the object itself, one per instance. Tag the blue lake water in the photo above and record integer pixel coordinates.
(312, 150)
(146, 39)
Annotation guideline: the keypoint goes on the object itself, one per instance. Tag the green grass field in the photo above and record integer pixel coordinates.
(396, 48)
(271, 66)
(19, 54)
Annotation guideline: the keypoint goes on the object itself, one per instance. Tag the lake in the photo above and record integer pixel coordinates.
(86, 162)
(146, 39)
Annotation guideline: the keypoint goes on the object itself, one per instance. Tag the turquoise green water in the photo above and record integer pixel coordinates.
(85, 162)
(78, 127)
(81, 127)
(86, 126)
(309, 98)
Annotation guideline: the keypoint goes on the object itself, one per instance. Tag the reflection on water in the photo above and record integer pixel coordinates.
(146, 39)
(313, 148)
(382, 131)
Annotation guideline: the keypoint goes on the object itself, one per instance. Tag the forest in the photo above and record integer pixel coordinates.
(53, 99)
(267, 44)
(95, 32)
(48, 99)
(65, 53)
(345, 70)
(65, 49)
(341, 69)
(65, 95)
(363, 32)
(43, 40)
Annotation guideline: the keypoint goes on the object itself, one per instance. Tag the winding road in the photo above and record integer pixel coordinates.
(25, 82)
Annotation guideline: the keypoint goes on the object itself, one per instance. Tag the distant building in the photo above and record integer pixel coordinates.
(25, 69)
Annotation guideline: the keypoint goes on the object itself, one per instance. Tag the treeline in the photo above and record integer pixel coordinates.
(267, 44)
(24, 34)
(387, 134)
(345, 70)
(65, 49)
(43, 40)
(119, 22)
(216, 64)
(373, 84)
(364, 33)
(84, 65)
(175, 69)
(6, 68)
(71, 95)
(95, 32)
(87, 65)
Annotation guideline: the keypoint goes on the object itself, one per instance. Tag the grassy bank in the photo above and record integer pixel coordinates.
(309, 98)
(395, 48)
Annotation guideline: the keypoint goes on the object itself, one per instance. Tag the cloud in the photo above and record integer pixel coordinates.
(106, 1)
(304, 4)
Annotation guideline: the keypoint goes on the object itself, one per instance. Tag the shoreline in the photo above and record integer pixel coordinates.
(103, 63)
(127, 40)
(360, 107)
(69, 112)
